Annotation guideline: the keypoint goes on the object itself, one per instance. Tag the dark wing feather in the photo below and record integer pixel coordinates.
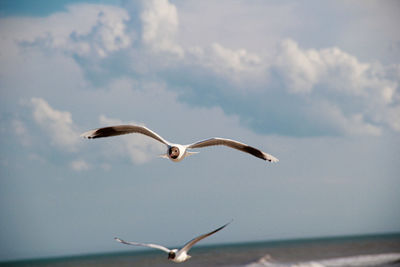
(191, 243)
(122, 129)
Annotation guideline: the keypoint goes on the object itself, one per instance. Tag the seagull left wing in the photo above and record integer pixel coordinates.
(191, 243)
(234, 144)
(122, 129)
(143, 245)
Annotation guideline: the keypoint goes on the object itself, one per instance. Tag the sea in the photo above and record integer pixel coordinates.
(372, 250)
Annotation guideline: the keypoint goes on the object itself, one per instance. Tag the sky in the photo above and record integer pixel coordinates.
(315, 84)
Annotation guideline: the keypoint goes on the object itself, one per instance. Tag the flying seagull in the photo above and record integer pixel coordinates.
(177, 152)
(175, 255)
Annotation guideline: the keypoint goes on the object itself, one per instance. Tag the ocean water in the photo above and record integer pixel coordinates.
(383, 251)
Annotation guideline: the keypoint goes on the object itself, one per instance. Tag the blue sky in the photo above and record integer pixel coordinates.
(314, 84)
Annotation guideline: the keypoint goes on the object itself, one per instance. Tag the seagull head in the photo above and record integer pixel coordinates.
(173, 152)
(172, 254)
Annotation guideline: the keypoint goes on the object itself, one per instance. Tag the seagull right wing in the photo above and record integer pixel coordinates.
(123, 129)
(143, 245)
(191, 243)
(216, 141)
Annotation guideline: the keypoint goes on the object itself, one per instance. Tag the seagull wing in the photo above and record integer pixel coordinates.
(234, 144)
(191, 243)
(122, 129)
(143, 245)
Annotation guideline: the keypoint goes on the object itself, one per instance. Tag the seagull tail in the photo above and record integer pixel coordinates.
(189, 153)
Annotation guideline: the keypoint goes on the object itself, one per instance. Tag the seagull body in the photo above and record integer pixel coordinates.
(175, 255)
(176, 152)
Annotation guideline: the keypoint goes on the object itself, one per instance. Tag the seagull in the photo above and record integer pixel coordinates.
(175, 255)
(176, 152)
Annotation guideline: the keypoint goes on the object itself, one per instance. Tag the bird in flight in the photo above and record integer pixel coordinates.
(175, 255)
(177, 152)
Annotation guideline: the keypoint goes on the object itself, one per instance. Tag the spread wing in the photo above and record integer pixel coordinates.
(234, 144)
(191, 243)
(143, 245)
(122, 129)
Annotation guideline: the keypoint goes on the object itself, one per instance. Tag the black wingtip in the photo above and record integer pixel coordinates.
(255, 152)
(228, 223)
(225, 225)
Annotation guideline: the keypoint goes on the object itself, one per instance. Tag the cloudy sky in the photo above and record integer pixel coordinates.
(314, 84)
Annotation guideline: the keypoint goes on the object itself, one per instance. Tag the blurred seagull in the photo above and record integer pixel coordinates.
(177, 152)
(175, 255)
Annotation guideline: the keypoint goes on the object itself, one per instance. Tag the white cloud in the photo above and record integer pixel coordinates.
(241, 68)
(79, 165)
(160, 25)
(332, 73)
(304, 69)
(58, 125)
(235, 64)
(311, 75)
(236, 60)
(329, 75)
(84, 29)
(389, 116)
(336, 70)
(350, 124)
(22, 133)
(300, 70)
